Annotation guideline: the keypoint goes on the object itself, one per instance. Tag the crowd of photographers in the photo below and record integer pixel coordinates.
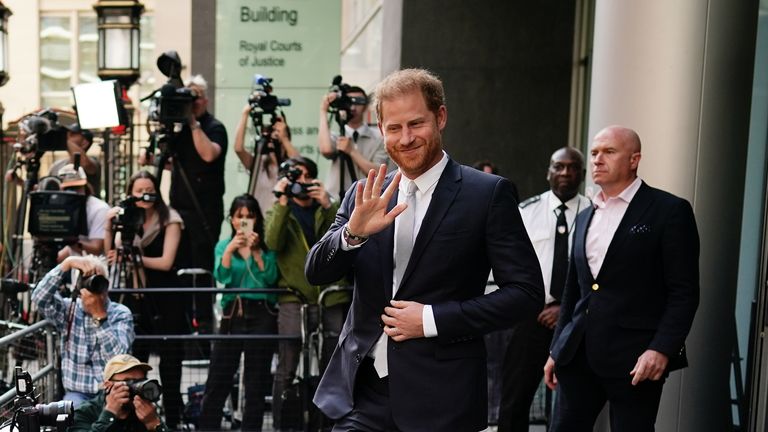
(144, 242)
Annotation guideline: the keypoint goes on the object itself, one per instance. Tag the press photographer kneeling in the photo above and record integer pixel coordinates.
(92, 328)
(126, 403)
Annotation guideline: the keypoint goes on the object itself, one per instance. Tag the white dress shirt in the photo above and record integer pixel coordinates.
(426, 184)
(608, 215)
(540, 220)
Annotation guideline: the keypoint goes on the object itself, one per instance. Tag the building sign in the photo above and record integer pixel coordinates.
(294, 42)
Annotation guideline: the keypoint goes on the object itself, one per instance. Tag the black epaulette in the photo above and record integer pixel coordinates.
(529, 201)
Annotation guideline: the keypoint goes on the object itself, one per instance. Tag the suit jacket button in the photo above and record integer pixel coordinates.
(595, 287)
(357, 358)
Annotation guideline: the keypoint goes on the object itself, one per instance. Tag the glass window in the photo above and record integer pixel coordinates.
(87, 40)
(55, 63)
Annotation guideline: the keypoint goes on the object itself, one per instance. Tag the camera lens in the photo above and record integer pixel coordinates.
(148, 389)
(49, 412)
(96, 284)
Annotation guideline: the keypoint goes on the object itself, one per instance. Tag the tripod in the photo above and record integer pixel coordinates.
(128, 269)
(263, 146)
(345, 161)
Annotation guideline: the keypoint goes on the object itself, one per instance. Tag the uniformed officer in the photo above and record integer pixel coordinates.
(549, 219)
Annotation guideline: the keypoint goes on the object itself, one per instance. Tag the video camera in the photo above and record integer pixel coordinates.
(43, 133)
(342, 105)
(30, 416)
(130, 219)
(289, 170)
(173, 104)
(261, 99)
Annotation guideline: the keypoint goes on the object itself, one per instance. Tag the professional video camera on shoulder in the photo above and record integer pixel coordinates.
(30, 416)
(342, 105)
(290, 170)
(173, 102)
(42, 132)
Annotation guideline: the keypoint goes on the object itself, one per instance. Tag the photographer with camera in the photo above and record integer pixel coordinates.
(154, 232)
(359, 149)
(95, 209)
(303, 213)
(92, 328)
(200, 149)
(79, 141)
(275, 149)
(126, 403)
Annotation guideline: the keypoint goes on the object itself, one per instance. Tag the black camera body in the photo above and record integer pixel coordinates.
(261, 99)
(96, 284)
(30, 416)
(175, 104)
(44, 133)
(130, 220)
(342, 105)
(295, 188)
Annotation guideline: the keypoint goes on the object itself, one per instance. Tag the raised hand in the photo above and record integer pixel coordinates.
(370, 214)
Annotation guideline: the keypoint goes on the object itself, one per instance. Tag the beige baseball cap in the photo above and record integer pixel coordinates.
(71, 178)
(123, 363)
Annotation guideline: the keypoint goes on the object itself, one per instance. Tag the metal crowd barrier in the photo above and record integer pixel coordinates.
(41, 365)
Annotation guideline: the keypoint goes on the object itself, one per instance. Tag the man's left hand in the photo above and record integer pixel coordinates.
(344, 144)
(403, 320)
(145, 412)
(318, 193)
(548, 317)
(650, 365)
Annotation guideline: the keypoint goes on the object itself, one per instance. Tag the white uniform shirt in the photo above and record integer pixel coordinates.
(539, 216)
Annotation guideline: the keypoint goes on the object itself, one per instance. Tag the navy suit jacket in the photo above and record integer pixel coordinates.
(645, 295)
(436, 384)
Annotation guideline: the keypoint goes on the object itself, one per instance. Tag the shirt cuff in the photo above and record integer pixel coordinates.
(428, 321)
(345, 246)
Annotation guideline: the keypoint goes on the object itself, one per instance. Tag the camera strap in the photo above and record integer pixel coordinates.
(70, 318)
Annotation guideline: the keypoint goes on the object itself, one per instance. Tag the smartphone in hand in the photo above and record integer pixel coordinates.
(246, 226)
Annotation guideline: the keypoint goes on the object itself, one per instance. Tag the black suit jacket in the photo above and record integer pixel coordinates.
(471, 226)
(646, 293)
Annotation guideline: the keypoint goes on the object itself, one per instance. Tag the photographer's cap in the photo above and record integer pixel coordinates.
(71, 178)
(123, 363)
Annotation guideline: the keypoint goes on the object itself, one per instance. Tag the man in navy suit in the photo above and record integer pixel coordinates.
(630, 298)
(419, 244)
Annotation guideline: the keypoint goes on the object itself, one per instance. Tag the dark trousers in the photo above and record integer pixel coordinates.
(289, 351)
(161, 314)
(522, 371)
(225, 359)
(371, 412)
(581, 395)
(197, 251)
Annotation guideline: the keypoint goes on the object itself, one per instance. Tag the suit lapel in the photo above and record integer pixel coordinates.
(636, 209)
(442, 199)
(583, 220)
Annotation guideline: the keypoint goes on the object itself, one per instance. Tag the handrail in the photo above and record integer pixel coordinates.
(215, 337)
(150, 290)
(23, 332)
